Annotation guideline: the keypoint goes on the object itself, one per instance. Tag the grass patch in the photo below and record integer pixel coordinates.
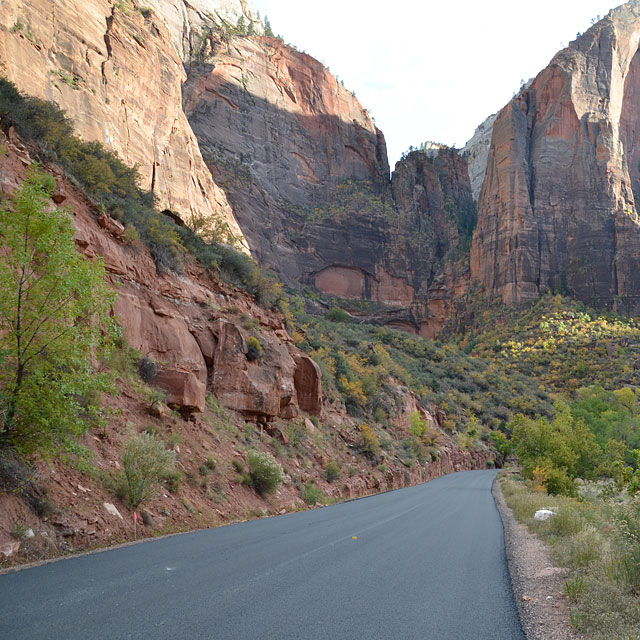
(598, 541)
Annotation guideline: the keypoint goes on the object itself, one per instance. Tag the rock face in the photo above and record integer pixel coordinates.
(115, 70)
(306, 172)
(185, 323)
(476, 153)
(284, 138)
(557, 209)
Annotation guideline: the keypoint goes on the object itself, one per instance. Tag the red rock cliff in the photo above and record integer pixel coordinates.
(557, 209)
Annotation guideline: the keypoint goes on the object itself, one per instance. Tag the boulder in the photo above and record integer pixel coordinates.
(261, 388)
(184, 390)
(307, 380)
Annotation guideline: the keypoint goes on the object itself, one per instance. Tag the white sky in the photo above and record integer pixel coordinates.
(431, 69)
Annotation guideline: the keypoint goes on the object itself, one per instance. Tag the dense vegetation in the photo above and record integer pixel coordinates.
(560, 342)
(371, 370)
(598, 541)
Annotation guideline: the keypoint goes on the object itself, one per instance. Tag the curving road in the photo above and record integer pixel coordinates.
(428, 563)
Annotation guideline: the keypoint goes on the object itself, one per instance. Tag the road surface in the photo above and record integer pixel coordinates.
(424, 562)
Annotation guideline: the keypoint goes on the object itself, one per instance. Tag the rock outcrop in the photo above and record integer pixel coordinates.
(114, 68)
(182, 322)
(557, 209)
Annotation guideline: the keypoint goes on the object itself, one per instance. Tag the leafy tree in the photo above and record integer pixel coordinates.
(54, 307)
(503, 446)
(557, 452)
(627, 398)
(417, 425)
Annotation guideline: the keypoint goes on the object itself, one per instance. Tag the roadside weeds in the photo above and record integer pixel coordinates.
(538, 586)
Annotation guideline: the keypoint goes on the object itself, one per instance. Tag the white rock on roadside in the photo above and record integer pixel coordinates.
(543, 514)
(112, 510)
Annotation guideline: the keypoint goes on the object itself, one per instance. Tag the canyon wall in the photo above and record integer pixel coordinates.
(557, 209)
(307, 174)
(115, 70)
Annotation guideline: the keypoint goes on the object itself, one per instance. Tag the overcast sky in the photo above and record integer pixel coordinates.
(431, 70)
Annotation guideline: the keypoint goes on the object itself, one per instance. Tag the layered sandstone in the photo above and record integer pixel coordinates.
(115, 70)
(557, 209)
(187, 324)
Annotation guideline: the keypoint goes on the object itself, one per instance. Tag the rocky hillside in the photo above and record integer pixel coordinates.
(184, 372)
(557, 210)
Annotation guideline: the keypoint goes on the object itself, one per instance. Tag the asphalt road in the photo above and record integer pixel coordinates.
(428, 563)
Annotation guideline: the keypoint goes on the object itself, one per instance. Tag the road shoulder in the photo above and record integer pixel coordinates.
(538, 586)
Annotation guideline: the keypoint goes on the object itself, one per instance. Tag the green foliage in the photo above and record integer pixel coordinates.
(610, 415)
(598, 542)
(332, 471)
(556, 453)
(335, 314)
(351, 198)
(502, 444)
(311, 494)
(54, 307)
(417, 425)
(254, 348)
(361, 365)
(265, 472)
(560, 343)
(465, 213)
(145, 463)
(369, 441)
(268, 31)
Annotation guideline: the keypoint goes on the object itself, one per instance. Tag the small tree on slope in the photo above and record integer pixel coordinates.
(54, 307)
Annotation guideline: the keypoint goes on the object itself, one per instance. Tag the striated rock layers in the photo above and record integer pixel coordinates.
(115, 70)
(306, 172)
(557, 208)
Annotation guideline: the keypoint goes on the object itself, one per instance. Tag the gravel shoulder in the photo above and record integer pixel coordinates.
(538, 586)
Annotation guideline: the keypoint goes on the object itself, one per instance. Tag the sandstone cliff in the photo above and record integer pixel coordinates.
(557, 208)
(282, 135)
(306, 172)
(115, 70)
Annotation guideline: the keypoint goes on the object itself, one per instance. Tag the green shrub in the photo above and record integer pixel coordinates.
(310, 494)
(254, 349)
(145, 462)
(332, 471)
(369, 441)
(335, 314)
(173, 480)
(265, 472)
